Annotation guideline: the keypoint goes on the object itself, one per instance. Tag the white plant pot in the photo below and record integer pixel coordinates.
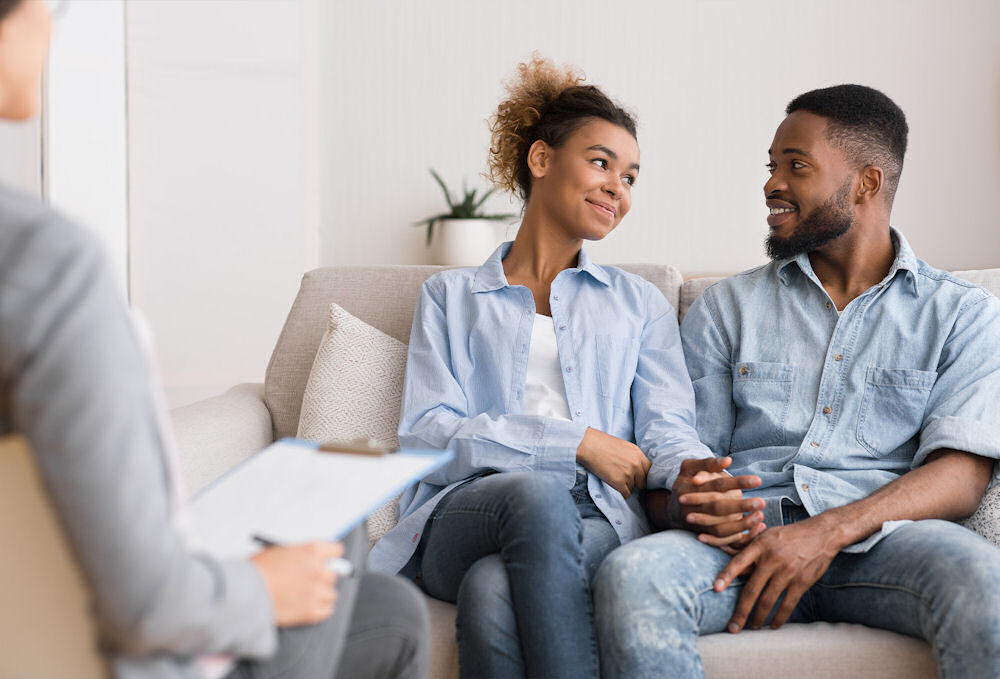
(464, 242)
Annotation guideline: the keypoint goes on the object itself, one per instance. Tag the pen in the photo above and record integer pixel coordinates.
(341, 567)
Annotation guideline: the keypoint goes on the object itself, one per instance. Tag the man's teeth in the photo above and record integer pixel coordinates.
(781, 210)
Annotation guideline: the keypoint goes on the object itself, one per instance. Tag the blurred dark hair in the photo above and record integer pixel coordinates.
(864, 123)
(6, 6)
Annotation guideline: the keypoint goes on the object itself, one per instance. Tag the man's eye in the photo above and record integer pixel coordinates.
(771, 167)
(797, 164)
(601, 163)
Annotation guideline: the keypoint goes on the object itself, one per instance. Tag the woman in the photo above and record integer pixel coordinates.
(540, 369)
(74, 383)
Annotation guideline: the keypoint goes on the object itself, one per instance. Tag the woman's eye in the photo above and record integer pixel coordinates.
(601, 163)
(629, 179)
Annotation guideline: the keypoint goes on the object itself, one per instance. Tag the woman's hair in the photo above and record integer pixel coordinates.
(6, 6)
(544, 103)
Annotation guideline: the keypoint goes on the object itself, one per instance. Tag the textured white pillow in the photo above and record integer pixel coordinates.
(986, 520)
(354, 391)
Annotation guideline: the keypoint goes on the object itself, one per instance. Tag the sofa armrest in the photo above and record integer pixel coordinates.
(215, 434)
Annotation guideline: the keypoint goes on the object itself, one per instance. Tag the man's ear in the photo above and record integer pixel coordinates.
(872, 182)
(539, 159)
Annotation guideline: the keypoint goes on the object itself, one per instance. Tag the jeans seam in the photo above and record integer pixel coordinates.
(493, 514)
(875, 585)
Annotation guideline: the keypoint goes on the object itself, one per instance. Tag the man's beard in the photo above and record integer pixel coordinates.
(829, 221)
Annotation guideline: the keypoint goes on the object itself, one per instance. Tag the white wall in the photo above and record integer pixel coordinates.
(406, 86)
(222, 180)
(21, 155)
(85, 123)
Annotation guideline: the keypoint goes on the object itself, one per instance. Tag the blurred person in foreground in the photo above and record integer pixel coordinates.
(76, 383)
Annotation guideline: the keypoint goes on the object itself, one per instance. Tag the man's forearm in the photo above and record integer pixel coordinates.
(949, 485)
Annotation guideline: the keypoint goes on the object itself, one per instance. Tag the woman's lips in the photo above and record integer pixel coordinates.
(603, 209)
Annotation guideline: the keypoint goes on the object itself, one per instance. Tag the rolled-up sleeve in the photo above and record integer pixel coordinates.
(963, 411)
(663, 402)
(435, 412)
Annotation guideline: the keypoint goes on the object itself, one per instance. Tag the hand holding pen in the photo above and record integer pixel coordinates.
(302, 579)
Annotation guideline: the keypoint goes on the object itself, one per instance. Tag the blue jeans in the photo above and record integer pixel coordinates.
(929, 579)
(517, 552)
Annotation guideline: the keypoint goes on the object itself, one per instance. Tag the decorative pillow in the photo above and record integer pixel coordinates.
(354, 391)
(986, 520)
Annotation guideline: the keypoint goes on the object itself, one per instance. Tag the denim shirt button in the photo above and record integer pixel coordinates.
(827, 410)
(815, 444)
(829, 305)
(618, 521)
(598, 497)
(805, 487)
(838, 357)
(555, 297)
(579, 412)
(562, 327)
(569, 369)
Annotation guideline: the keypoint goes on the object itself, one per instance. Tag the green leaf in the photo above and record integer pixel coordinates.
(444, 189)
(475, 208)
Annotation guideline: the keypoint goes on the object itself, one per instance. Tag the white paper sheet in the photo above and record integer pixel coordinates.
(290, 492)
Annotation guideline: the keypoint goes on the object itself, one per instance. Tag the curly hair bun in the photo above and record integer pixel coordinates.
(543, 102)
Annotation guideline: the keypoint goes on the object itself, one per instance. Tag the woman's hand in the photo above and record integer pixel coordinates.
(621, 464)
(709, 502)
(303, 590)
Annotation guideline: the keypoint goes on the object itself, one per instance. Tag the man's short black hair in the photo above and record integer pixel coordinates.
(864, 123)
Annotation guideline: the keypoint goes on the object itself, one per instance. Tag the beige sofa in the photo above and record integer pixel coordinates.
(217, 433)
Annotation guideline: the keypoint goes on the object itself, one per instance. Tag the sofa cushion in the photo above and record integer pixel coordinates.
(382, 296)
(354, 392)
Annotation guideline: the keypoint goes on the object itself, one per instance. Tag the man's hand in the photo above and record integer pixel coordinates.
(303, 590)
(707, 501)
(789, 559)
(621, 464)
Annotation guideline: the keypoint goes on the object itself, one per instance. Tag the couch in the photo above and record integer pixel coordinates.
(215, 434)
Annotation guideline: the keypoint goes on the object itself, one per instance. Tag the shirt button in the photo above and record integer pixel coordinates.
(555, 297)
(743, 370)
(618, 521)
(827, 410)
(829, 305)
(598, 496)
(815, 444)
(579, 412)
(569, 369)
(805, 487)
(562, 327)
(838, 357)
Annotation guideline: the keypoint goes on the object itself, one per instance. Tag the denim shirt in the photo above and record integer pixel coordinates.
(624, 373)
(827, 406)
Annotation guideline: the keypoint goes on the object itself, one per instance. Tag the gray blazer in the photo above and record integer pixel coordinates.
(74, 382)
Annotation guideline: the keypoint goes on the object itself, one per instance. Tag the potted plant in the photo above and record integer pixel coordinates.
(463, 235)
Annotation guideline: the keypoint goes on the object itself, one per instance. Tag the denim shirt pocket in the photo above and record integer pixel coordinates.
(762, 393)
(892, 409)
(617, 359)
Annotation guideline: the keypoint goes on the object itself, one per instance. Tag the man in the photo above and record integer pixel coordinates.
(863, 387)
(74, 383)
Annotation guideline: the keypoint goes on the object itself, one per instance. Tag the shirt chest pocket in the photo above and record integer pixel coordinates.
(762, 393)
(617, 359)
(892, 409)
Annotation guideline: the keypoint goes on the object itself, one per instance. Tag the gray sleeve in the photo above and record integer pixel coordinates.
(74, 381)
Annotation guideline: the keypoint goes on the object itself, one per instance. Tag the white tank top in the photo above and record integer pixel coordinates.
(544, 390)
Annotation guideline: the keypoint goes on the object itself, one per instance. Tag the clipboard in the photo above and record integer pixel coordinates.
(293, 492)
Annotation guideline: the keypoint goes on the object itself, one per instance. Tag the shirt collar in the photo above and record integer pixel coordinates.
(490, 275)
(905, 260)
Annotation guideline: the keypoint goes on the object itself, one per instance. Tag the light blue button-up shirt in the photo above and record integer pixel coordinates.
(827, 406)
(623, 369)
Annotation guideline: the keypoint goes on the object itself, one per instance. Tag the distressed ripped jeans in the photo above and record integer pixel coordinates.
(517, 552)
(929, 579)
